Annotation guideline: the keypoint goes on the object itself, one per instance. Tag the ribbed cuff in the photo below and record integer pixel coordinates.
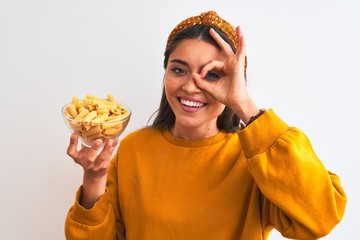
(93, 216)
(258, 136)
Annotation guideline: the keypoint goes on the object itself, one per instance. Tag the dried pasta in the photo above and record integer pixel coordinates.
(92, 118)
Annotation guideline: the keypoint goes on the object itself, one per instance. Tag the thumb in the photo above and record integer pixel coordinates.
(202, 83)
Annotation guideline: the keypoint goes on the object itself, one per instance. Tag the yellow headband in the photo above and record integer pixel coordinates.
(209, 18)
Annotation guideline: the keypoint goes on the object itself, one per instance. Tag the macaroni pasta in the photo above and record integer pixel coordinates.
(92, 118)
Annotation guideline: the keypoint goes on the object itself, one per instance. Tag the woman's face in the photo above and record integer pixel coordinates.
(195, 110)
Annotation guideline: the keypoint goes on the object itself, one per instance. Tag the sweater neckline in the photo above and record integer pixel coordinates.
(193, 143)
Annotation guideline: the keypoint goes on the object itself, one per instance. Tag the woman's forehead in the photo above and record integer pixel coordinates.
(195, 49)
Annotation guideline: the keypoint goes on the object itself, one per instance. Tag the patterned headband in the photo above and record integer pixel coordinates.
(210, 18)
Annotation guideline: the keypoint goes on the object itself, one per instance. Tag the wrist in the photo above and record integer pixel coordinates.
(246, 110)
(92, 190)
(253, 118)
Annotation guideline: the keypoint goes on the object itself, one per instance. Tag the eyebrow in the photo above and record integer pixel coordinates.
(180, 62)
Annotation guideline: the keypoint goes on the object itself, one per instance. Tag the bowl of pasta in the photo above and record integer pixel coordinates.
(94, 118)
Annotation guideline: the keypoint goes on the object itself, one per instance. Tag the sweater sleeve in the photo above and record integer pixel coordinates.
(300, 198)
(103, 221)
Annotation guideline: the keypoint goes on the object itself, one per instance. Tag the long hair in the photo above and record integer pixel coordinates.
(165, 117)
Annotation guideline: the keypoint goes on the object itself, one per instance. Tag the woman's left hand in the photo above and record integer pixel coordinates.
(231, 88)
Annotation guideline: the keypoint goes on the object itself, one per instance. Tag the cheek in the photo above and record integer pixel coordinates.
(170, 85)
(167, 86)
(220, 108)
(170, 90)
(216, 107)
(215, 103)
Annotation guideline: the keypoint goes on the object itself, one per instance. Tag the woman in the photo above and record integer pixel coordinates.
(212, 165)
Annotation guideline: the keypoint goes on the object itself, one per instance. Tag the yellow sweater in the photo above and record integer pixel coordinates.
(230, 186)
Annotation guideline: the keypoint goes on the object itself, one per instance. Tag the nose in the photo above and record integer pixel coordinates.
(190, 85)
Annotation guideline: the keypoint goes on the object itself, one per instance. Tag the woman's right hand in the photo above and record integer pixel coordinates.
(95, 165)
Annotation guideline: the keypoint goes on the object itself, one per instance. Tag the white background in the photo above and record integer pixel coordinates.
(303, 62)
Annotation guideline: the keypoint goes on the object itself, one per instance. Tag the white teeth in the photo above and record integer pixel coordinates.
(191, 103)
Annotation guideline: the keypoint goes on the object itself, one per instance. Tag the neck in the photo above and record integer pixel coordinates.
(193, 133)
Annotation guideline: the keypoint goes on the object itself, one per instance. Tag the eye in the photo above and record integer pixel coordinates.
(212, 76)
(178, 71)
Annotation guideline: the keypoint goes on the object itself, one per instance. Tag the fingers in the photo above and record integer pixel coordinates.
(203, 84)
(225, 47)
(241, 53)
(71, 150)
(92, 152)
(201, 79)
(89, 157)
(240, 36)
(110, 145)
(105, 155)
(213, 65)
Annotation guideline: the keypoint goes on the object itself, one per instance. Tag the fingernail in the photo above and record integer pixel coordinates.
(98, 142)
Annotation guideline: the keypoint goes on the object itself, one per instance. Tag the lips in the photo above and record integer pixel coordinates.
(191, 103)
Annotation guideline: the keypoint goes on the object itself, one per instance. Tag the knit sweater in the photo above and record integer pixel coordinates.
(230, 186)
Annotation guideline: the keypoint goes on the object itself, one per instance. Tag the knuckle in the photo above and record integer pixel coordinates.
(88, 166)
(69, 153)
(102, 158)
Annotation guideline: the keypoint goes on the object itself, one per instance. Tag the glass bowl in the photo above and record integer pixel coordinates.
(99, 127)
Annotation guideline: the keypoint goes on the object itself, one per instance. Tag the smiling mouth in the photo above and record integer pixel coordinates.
(192, 104)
